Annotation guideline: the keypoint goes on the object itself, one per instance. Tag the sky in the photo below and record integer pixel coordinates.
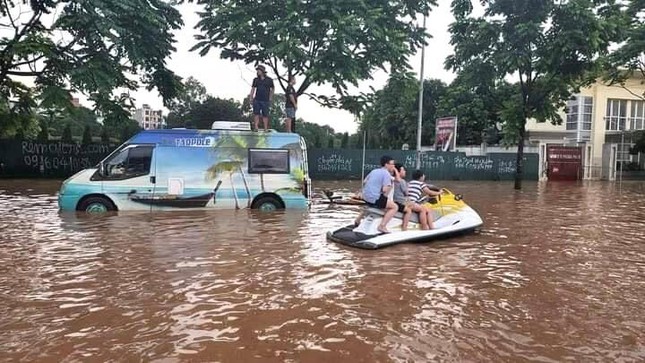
(227, 79)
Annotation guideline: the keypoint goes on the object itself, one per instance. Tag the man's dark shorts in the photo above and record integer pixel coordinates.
(380, 203)
(400, 207)
(261, 108)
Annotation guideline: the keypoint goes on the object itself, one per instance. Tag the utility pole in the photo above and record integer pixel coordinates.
(420, 121)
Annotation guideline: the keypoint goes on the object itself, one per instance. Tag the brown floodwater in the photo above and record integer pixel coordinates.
(557, 273)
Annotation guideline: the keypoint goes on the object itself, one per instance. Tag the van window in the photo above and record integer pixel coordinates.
(269, 161)
(131, 162)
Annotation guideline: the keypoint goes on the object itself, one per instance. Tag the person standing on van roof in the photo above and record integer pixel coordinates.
(261, 97)
(291, 105)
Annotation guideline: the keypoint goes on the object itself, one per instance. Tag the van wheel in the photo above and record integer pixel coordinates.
(95, 205)
(267, 204)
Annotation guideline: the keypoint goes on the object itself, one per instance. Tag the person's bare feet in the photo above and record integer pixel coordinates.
(382, 229)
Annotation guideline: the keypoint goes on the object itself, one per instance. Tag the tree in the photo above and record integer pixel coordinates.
(213, 109)
(192, 94)
(639, 146)
(537, 41)
(67, 136)
(43, 134)
(315, 134)
(17, 117)
(128, 129)
(344, 142)
(477, 103)
(629, 57)
(90, 47)
(80, 118)
(392, 116)
(105, 135)
(336, 42)
(87, 135)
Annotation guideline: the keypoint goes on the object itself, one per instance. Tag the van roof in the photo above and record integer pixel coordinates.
(168, 136)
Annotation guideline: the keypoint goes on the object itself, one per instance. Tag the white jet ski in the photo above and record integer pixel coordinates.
(452, 216)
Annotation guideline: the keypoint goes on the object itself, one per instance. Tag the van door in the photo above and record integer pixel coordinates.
(128, 178)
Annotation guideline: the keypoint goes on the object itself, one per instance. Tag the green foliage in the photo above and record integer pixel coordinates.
(88, 46)
(639, 145)
(330, 142)
(191, 94)
(128, 129)
(629, 57)
(336, 42)
(213, 109)
(195, 108)
(67, 134)
(391, 116)
(344, 141)
(87, 135)
(43, 133)
(477, 108)
(316, 136)
(551, 46)
(17, 115)
(105, 135)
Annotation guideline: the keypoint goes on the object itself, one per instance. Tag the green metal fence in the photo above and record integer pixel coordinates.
(337, 164)
(56, 159)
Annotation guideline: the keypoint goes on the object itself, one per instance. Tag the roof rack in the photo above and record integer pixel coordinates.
(231, 125)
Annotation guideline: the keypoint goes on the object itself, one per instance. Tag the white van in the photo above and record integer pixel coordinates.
(229, 166)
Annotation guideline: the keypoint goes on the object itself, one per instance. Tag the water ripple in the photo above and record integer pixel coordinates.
(555, 274)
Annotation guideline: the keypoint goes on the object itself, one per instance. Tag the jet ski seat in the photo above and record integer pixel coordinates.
(414, 217)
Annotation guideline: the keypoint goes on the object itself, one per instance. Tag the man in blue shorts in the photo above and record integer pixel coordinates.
(376, 187)
(261, 97)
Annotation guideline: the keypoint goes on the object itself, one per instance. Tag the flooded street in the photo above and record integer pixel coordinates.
(557, 273)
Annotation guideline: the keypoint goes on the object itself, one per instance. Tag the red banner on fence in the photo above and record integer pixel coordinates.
(445, 134)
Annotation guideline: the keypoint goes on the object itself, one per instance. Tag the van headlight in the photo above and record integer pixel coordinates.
(63, 187)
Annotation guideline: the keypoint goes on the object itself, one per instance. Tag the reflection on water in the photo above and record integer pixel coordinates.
(555, 274)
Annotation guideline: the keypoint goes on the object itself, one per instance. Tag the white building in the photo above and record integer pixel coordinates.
(148, 118)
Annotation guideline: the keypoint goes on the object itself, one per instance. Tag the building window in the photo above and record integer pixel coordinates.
(572, 114)
(268, 161)
(616, 116)
(579, 113)
(622, 152)
(587, 113)
(638, 116)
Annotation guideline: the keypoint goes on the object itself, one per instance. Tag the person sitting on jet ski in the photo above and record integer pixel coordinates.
(402, 198)
(417, 192)
(400, 195)
(376, 187)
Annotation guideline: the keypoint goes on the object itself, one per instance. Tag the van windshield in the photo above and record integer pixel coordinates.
(128, 161)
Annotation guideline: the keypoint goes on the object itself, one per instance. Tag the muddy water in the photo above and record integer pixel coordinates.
(557, 273)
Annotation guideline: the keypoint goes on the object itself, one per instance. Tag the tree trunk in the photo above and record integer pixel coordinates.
(520, 156)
